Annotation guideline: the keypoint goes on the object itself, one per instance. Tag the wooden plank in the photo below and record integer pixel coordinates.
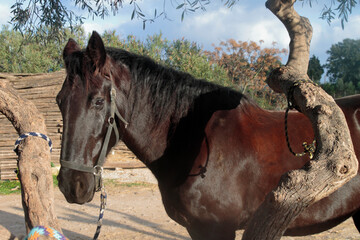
(124, 165)
(42, 89)
(8, 176)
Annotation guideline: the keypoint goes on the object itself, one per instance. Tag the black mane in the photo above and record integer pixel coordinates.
(172, 91)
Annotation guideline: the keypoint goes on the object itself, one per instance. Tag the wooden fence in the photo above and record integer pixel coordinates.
(42, 89)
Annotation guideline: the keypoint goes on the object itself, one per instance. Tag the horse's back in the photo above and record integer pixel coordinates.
(350, 105)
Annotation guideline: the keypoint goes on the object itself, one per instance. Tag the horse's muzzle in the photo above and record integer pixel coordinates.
(77, 187)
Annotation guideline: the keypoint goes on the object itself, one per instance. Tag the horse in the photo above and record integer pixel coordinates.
(214, 152)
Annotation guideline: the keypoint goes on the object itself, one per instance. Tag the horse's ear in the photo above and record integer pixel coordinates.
(96, 50)
(71, 47)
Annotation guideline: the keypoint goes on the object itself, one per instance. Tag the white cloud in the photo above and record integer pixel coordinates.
(239, 23)
(108, 23)
(5, 15)
(351, 29)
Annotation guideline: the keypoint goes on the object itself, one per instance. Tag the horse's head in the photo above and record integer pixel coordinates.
(94, 88)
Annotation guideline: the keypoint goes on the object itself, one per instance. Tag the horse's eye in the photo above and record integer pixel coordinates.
(99, 102)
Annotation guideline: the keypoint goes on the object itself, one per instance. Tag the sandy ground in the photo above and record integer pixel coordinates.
(133, 212)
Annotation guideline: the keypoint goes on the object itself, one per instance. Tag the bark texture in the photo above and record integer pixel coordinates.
(334, 162)
(34, 159)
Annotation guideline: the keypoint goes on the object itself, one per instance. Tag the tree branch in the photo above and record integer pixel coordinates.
(334, 162)
(34, 159)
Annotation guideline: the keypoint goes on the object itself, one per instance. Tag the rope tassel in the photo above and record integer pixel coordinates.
(39, 231)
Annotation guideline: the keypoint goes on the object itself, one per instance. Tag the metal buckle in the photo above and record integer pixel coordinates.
(98, 170)
(111, 121)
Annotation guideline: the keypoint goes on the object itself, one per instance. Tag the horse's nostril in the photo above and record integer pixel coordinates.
(80, 188)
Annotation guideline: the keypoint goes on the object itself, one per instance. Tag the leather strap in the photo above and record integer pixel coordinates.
(101, 159)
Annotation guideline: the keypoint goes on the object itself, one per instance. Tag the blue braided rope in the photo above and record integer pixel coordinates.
(34, 134)
(38, 231)
(103, 197)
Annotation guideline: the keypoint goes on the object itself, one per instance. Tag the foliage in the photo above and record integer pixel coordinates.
(8, 187)
(344, 62)
(344, 8)
(55, 181)
(18, 54)
(343, 68)
(315, 69)
(189, 57)
(28, 16)
(182, 55)
(248, 65)
(340, 89)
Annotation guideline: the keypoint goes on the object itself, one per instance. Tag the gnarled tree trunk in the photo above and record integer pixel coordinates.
(334, 162)
(34, 159)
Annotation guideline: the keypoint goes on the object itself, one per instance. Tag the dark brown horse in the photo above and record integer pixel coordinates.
(214, 152)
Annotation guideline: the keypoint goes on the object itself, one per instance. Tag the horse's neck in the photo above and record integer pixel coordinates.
(163, 145)
(169, 144)
(146, 140)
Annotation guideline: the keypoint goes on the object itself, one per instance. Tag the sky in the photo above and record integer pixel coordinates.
(247, 20)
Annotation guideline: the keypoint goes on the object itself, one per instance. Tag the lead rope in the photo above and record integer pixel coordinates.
(103, 198)
(308, 148)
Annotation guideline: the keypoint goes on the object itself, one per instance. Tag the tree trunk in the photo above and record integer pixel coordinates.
(34, 159)
(334, 162)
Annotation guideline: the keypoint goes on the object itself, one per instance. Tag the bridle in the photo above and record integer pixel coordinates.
(98, 168)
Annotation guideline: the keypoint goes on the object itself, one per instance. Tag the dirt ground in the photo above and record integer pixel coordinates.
(134, 211)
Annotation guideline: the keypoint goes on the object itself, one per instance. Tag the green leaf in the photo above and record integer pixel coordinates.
(180, 6)
(133, 15)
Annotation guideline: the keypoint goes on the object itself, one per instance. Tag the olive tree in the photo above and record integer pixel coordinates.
(334, 162)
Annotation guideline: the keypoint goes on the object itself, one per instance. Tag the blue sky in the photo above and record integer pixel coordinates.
(247, 20)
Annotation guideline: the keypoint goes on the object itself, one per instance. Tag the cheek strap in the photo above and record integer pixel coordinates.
(101, 159)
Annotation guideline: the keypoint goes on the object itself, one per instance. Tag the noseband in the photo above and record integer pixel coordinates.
(98, 168)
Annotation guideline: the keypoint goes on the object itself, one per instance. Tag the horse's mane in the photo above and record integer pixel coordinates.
(169, 89)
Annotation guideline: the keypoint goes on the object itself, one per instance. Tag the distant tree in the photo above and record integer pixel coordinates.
(129, 43)
(180, 54)
(340, 89)
(46, 56)
(315, 69)
(344, 62)
(248, 65)
(189, 57)
(33, 56)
